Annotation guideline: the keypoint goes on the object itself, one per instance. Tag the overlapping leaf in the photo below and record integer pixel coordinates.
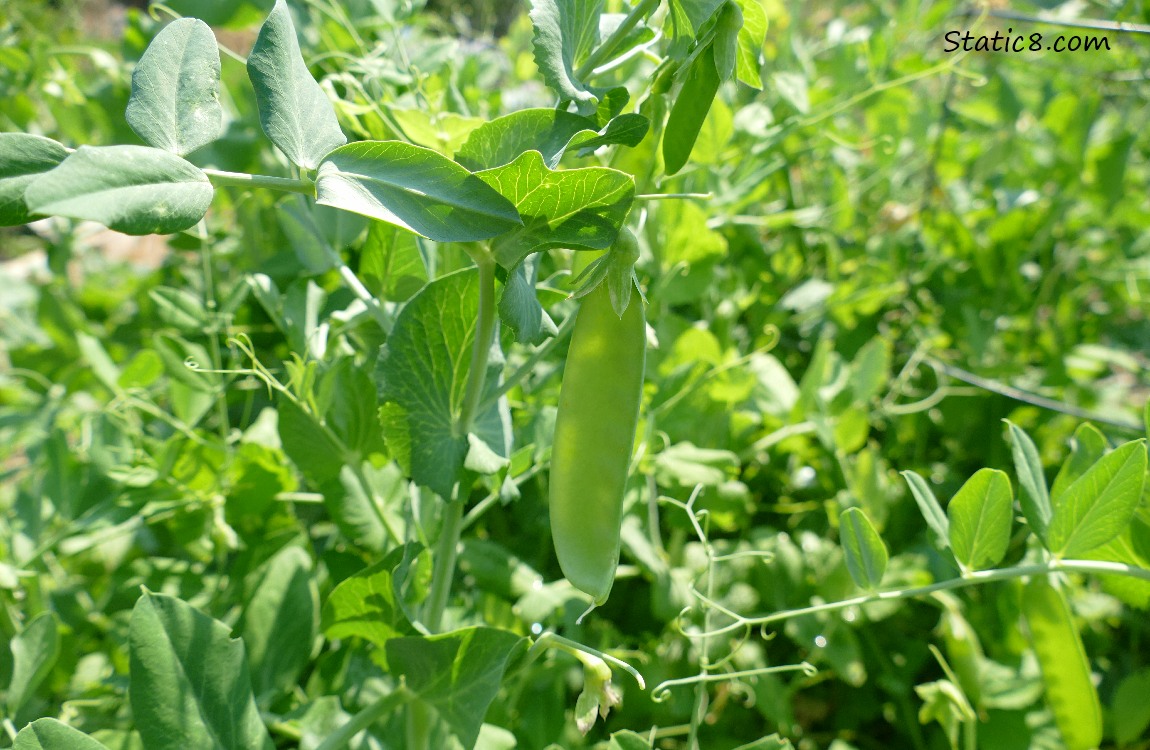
(565, 33)
(23, 157)
(980, 519)
(575, 208)
(1100, 503)
(866, 555)
(551, 132)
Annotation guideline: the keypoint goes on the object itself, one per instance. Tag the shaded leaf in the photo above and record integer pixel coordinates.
(1034, 499)
(1087, 446)
(22, 158)
(132, 189)
(865, 552)
(551, 132)
(49, 734)
(294, 110)
(690, 111)
(414, 188)
(929, 506)
(34, 652)
(189, 680)
(175, 101)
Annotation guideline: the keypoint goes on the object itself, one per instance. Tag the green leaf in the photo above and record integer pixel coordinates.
(1088, 447)
(1130, 709)
(457, 673)
(519, 306)
(390, 263)
(34, 652)
(565, 33)
(690, 111)
(189, 680)
(727, 26)
(574, 208)
(423, 376)
(22, 158)
(865, 552)
(367, 605)
(179, 308)
(231, 14)
(749, 69)
(980, 519)
(929, 506)
(132, 189)
(414, 188)
(280, 622)
(50, 734)
(1034, 499)
(1100, 504)
(175, 101)
(310, 446)
(359, 511)
(294, 110)
(551, 132)
(870, 369)
(628, 740)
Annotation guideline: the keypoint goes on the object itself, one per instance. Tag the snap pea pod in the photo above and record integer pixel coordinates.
(594, 435)
(1065, 669)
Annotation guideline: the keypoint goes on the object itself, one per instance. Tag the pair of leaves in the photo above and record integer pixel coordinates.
(976, 524)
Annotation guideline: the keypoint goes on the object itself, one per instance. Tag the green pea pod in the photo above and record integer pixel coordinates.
(594, 436)
(1065, 669)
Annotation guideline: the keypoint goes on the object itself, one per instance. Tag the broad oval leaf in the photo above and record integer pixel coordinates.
(132, 189)
(294, 110)
(551, 132)
(34, 652)
(1100, 503)
(457, 673)
(175, 101)
(1034, 498)
(189, 680)
(980, 519)
(50, 734)
(866, 554)
(574, 208)
(414, 188)
(23, 157)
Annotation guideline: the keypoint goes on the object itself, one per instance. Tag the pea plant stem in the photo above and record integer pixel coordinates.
(340, 738)
(528, 366)
(974, 578)
(220, 178)
(604, 51)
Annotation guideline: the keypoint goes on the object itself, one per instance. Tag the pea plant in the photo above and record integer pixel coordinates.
(452, 419)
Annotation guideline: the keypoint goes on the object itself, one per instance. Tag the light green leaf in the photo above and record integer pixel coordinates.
(367, 605)
(457, 673)
(689, 16)
(132, 189)
(1100, 504)
(34, 651)
(565, 33)
(189, 680)
(179, 308)
(390, 263)
(22, 158)
(865, 552)
(414, 188)
(1088, 447)
(628, 740)
(280, 623)
(750, 64)
(175, 101)
(929, 506)
(423, 377)
(50, 734)
(980, 519)
(574, 208)
(690, 111)
(1035, 499)
(551, 132)
(294, 110)
(870, 369)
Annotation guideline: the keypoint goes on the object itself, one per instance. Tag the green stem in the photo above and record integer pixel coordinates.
(484, 331)
(604, 51)
(528, 367)
(970, 579)
(446, 550)
(341, 737)
(220, 178)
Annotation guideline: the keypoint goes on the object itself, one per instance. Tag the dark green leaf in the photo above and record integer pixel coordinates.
(189, 680)
(175, 101)
(727, 27)
(310, 446)
(49, 734)
(390, 262)
(34, 651)
(22, 158)
(980, 516)
(132, 189)
(575, 208)
(865, 552)
(1100, 504)
(294, 110)
(414, 188)
(689, 111)
(457, 673)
